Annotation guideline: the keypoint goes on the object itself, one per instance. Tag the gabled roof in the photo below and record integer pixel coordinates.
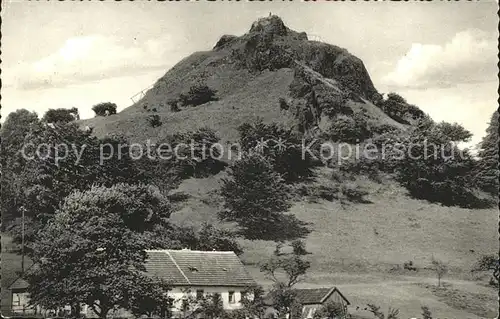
(315, 295)
(198, 268)
(18, 284)
(311, 296)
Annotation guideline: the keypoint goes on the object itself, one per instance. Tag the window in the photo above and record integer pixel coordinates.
(231, 297)
(199, 294)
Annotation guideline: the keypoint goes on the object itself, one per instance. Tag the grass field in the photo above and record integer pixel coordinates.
(358, 248)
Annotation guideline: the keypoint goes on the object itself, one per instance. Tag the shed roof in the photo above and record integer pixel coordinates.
(311, 296)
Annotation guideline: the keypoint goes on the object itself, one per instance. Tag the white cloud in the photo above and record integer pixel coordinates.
(469, 57)
(91, 58)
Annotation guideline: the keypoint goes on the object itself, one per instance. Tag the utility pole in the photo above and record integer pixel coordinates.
(22, 240)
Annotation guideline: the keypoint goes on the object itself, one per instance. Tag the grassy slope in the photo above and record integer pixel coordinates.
(355, 247)
(390, 230)
(255, 97)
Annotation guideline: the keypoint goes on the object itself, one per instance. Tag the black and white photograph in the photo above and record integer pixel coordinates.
(244, 159)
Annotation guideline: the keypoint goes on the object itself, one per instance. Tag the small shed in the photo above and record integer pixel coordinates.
(312, 299)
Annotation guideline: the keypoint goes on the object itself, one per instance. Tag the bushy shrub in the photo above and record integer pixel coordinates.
(198, 94)
(348, 129)
(435, 169)
(154, 120)
(398, 108)
(384, 128)
(333, 103)
(409, 266)
(415, 112)
(280, 145)
(61, 115)
(104, 109)
(283, 104)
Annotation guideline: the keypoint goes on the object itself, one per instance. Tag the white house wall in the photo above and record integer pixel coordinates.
(178, 293)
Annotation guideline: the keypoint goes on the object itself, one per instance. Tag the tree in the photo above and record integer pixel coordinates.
(207, 238)
(154, 120)
(254, 305)
(391, 313)
(104, 109)
(13, 132)
(331, 310)
(211, 306)
(292, 264)
(198, 94)
(93, 251)
(348, 129)
(153, 299)
(440, 268)
(284, 300)
(61, 115)
(201, 158)
(454, 131)
(255, 198)
(432, 167)
(426, 313)
(282, 147)
(489, 263)
(70, 159)
(486, 173)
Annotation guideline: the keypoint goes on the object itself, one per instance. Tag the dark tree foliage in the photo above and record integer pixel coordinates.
(70, 159)
(489, 263)
(398, 108)
(254, 305)
(330, 310)
(211, 306)
(196, 153)
(104, 109)
(391, 313)
(93, 251)
(13, 133)
(486, 172)
(283, 148)
(61, 115)
(454, 132)
(432, 167)
(426, 313)
(348, 129)
(293, 265)
(198, 94)
(154, 120)
(206, 238)
(256, 198)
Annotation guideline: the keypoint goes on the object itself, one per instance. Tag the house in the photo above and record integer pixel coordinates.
(197, 273)
(313, 298)
(189, 273)
(19, 298)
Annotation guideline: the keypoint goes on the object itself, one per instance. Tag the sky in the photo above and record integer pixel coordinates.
(440, 56)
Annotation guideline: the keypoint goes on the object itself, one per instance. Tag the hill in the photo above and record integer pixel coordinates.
(250, 74)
